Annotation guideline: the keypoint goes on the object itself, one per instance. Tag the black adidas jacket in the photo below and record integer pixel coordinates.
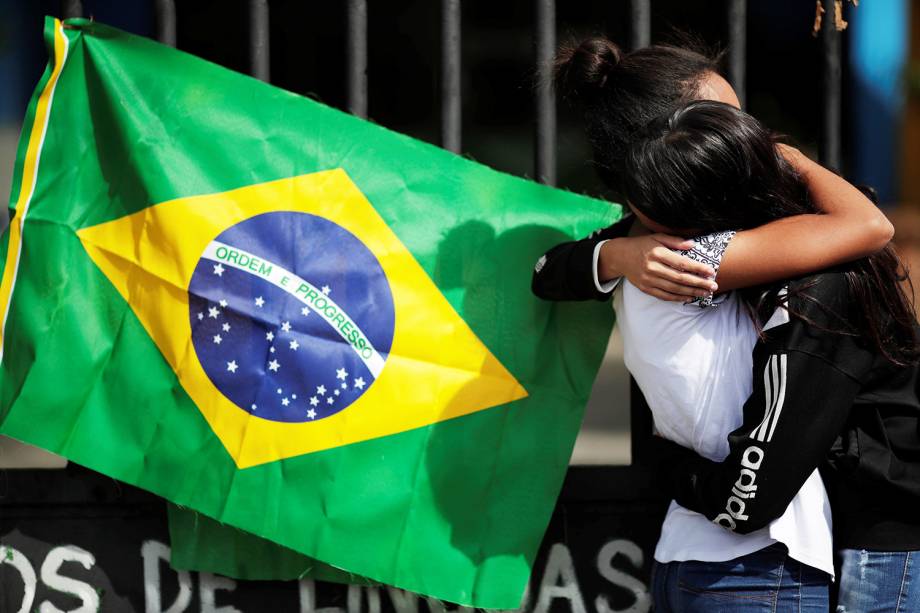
(821, 399)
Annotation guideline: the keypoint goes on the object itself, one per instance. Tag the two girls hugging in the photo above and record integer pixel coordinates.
(764, 318)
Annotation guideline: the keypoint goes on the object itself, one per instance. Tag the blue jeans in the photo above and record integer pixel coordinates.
(767, 580)
(879, 581)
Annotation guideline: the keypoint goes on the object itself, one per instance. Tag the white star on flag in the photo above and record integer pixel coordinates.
(271, 349)
(320, 389)
(311, 413)
(293, 396)
(341, 373)
(294, 345)
(200, 316)
(218, 270)
(286, 326)
(253, 407)
(285, 401)
(337, 392)
(326, 289)
(217, 339)
(269, 336)
(279, 390)
(274, 365)
(260, 301)
(330, 400)
(305, 311)
(223, 303)
(359, 383)
(226, 327)
(213, 312)
(314, 401)
(231, 366)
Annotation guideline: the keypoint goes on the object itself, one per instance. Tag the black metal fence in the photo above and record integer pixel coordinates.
(544, 30)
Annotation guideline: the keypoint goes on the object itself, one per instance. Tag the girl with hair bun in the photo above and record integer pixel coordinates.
(692, 353)
(619, 94)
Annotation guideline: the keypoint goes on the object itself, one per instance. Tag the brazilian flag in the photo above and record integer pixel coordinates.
(289, 320)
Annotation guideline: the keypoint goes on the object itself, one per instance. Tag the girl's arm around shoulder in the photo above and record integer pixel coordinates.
(850, 226)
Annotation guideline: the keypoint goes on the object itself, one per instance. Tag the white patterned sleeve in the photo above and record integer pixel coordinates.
(709, 250)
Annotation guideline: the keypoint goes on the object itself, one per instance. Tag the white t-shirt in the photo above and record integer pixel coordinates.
(694, 367)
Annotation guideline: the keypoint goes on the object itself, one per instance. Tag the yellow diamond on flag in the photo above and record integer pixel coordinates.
(295, 318)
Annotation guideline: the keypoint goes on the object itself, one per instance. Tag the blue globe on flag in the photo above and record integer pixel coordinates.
(292, 316)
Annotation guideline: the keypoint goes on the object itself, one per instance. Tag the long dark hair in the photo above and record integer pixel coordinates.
(708, 167)
(620, 93)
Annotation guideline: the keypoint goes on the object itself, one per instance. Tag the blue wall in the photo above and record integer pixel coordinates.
(879, 46)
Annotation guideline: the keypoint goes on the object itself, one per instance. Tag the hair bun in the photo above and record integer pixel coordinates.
(582, 70)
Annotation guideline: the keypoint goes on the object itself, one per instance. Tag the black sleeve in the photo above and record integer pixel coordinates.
(798, 407)
(806, 377)
(566, 272)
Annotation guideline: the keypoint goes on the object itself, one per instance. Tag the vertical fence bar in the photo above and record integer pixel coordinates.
(166, 21)
(451, 129)
(737, 46)
(71, 8)
(357, 57)
(640, 24)
(829, 152)
(545, 151)
(640, 418)
(258, 40)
